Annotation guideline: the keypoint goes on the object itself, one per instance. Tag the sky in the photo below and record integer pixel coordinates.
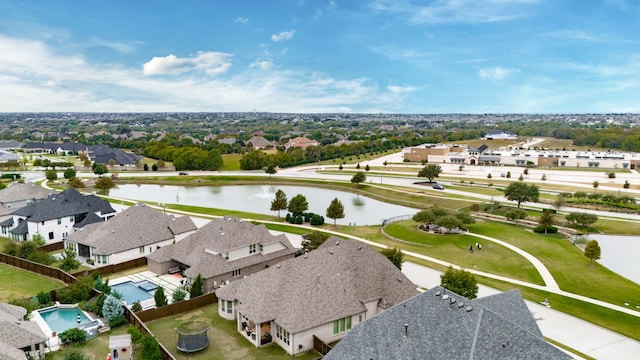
(320, 56)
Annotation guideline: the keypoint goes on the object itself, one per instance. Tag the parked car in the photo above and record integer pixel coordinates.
(182, 173)
(438, 187)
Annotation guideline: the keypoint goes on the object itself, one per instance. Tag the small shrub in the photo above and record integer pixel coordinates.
(179, 295)
(117, 322)
(44, 298)
(136, 307)
(73, 336)
(317, 220)
(474, 207)
(545, 229)
(136, 334)
(75, 355)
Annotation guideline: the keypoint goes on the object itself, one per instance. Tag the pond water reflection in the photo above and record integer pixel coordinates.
(620, 253)
(358, 210)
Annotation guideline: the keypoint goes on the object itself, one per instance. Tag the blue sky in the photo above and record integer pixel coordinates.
(392, 56)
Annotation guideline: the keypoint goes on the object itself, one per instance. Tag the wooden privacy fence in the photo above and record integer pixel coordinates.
(37, 268)
(177, 307)
(320, 346)
(52, 247)
(134, 320)
(115, 268)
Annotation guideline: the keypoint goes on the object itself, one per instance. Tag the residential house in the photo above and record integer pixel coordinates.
(300, 142)
(9, 157)
(19, 339)
(496, 134)
(10, 145)
(221, 251)
(439, 324)
(320, 294)
(18, 195)
(135, 232)
(103, 154)
(259, 142)
(56, 216)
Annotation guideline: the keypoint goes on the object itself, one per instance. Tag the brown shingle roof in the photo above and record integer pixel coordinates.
(329, 283)
(19, 191)
(138, 225)
(16, 333)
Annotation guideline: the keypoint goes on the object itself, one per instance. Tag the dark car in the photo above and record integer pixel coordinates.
(438, 187)
(182, 173)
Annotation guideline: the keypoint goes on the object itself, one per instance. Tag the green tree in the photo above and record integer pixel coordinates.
(112, 308)
(154, 167)
(145, 167)
(521, 192)
(69, 173)
(279, 203)
(99, 169)
(546, 220)
(583, 219)
(298, 204)
(394, 255)
(38, 239)
(69, 261)
(515, 215)
(559, 202)
(358, 178)
(271, 170)
(626, 184)
(449, 222)
(136, 306)
(104, 183)
(253, 160)
(149, 348)
(76, 183)
(214, 161)
(592, 251)
(521, 178)
(595, 184)
(196, 287)
(51, 175)
(312, 240)
(159, 297)
(367, 168)
(430, 171)
(161, 164)
(335, 210)
(508, 174)
(424, 216)
(460, 282)
(178, 295)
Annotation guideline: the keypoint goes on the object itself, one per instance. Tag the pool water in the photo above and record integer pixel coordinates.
(131, 293)
(61, 319)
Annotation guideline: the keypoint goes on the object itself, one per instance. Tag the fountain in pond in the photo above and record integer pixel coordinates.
(267, 193)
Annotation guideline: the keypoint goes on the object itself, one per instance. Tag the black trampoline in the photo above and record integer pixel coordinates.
(193, 336)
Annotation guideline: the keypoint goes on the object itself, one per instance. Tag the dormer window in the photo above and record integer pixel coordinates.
(252, 248)
(226, 255)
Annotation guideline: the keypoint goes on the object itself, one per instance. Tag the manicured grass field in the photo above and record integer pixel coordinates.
(231, 162)
(96, 348)
(225, 342)
(18, 284)
(567, 263)
(493, 258)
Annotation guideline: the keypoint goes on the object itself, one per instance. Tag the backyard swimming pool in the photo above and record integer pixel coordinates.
(61, 318)
(131, 292)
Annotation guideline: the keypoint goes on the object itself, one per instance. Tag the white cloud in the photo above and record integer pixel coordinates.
(495, 73)
(394, 89)
(285, 35)
(241, 20)
(36, 78)
(211, 63)
(262, 64)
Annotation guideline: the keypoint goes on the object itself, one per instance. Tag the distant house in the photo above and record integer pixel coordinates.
(323, 294)
(136, 232)
(18, 195)
(19, 339)
(300, 142)
(10, 145)
(54, 148)
(103, 154)
(56, 216)
(9, 157)
(500, 135)
(221, 251)
(259, 142)
(439, 324)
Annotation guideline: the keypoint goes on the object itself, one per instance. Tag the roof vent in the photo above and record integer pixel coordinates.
(221, 234)
(438, 293)
(453, 300)
(359, 247)
(468, 308)
(445, 297)
(331, 252)
(338, 242)
(278, 266)
(460, 305)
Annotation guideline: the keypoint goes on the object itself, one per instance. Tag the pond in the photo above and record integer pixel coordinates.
(358, 210)
(619, 253)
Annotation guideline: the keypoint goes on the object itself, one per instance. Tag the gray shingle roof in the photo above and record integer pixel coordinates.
(221, 235)
(19, 191)
(16, 333)
(496, 327)
(329, 283)
(138, 225)
(102, 154)
(67, 203)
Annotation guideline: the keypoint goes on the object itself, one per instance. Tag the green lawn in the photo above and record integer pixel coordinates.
(95, 349)
(566, 262)
(452, 248)
(225, 341)
(231, 162)
(16, 283)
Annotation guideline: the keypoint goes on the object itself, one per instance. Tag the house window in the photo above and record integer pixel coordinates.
(252, 249)
(42, 223)
(261, 249)
(141, 248)
(226, 255)
(282, 334)
(4, 229)
(51, 235)
(229, 306)
(236, 272)
(59, 221)
(342, 325)
(71, 219)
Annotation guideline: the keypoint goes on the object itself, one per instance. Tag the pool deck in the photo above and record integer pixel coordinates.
(53, 341)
